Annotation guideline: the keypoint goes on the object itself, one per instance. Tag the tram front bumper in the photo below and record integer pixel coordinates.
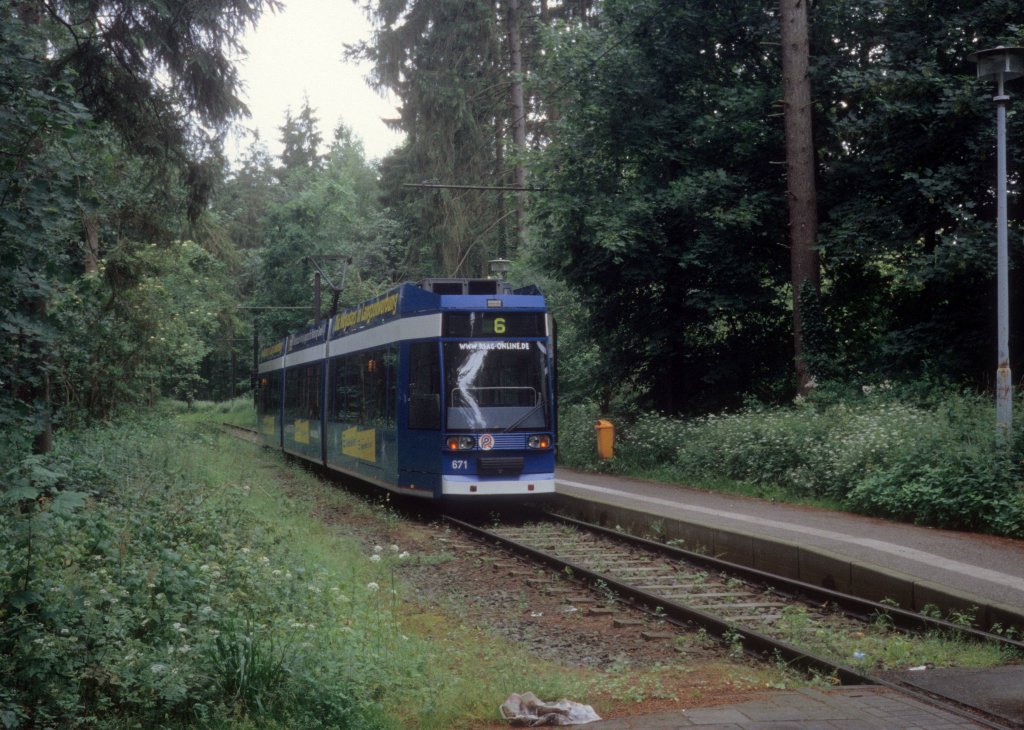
(481, 486)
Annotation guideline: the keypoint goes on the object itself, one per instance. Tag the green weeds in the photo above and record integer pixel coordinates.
(934, 460)
(162, 574)
(879, 647)
(165, 600)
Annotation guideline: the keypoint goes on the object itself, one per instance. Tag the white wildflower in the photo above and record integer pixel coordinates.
(371, 587)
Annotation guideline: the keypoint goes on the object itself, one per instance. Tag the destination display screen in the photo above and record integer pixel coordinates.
(494, 324)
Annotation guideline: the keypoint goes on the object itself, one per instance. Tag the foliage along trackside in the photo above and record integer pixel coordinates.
(154, 574)
(933, 460)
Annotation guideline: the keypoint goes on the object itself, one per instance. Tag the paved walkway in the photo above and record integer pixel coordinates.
(843, 708)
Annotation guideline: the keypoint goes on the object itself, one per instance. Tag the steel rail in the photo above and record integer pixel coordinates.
(681, 615)
(677, 612)
(857, 607)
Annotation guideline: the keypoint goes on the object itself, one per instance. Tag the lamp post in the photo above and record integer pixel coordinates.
(1002, 65)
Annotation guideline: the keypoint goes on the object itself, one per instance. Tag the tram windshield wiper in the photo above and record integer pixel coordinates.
(522, 418)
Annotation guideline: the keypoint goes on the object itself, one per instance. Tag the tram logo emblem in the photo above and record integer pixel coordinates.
(486, 442)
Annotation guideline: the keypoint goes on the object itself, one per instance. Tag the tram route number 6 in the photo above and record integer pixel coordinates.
(497, 326)
(460, 464)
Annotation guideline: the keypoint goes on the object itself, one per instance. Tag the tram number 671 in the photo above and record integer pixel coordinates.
(459, 464)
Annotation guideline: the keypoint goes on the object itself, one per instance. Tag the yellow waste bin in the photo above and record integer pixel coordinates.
(605, 439)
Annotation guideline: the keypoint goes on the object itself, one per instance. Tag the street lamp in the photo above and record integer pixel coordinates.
(1001, 64)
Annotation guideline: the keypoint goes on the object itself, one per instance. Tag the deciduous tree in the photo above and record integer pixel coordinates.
(662, 209)
(87, 87)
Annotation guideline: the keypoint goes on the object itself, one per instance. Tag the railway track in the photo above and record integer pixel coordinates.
(735, 603)
(247, 433)
(740, 605)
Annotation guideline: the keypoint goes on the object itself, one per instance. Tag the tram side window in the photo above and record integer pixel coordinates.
(270, 392)
(310, 401)
(347, 390)
(364, 387)
(291, 393)
(379, 380)
(302, 392)
(424, 386)
(391, 384)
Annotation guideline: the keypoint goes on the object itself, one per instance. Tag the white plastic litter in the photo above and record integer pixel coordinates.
(527, 710)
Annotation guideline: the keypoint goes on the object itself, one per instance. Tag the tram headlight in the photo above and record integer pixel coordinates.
(460, 443)
(539, 442)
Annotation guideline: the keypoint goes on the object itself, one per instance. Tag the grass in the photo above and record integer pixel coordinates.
(192, 583)
(880, 648)
(466, 673)
(447, 675)
(160, 573)
(236, 412)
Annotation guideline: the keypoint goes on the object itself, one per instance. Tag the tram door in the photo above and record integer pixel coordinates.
(420, 448)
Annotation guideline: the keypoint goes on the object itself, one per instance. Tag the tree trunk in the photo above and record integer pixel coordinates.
(500, 176)
(92, 243)
(37, 392)
(518, 117)
(802, 194)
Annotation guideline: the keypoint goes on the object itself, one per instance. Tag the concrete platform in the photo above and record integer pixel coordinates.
(998, 692)
(843, 708)
(874, 558)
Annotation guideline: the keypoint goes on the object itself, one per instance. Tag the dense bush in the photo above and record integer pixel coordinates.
(165, 574)
(576, 438)
(155, 600)
(928, 457)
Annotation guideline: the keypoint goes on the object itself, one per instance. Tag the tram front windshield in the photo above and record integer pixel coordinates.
(496, 385)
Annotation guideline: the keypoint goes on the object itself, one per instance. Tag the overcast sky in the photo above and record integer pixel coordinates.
(299, 51)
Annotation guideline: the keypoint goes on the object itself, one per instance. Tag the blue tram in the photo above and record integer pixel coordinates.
(439, 389)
